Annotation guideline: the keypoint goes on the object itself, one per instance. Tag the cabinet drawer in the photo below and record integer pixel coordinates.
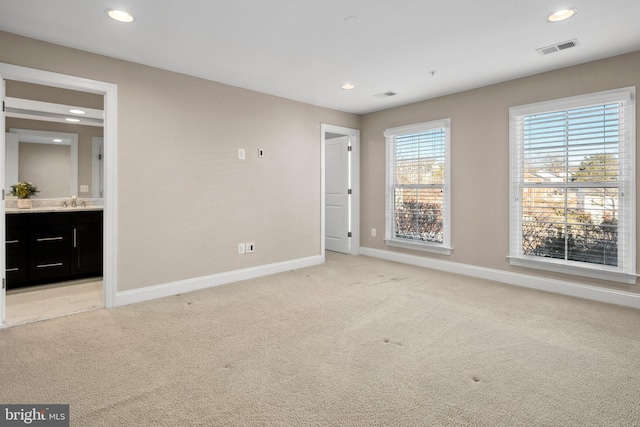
(46, 239)
(16, 269)
(16, 220)
(16, 234)
(49, 219)
(16, 242)
(48, 265)
(88, 217)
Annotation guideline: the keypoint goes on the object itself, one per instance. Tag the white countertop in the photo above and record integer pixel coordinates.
(53, 209)
(55, 205)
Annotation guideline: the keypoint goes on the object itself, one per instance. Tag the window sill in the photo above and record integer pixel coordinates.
(425, 247)
(559, 266)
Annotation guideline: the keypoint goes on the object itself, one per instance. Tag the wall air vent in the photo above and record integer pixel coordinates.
(559, 46)
(385, 94)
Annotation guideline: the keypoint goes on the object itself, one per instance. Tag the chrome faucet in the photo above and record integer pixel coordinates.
(64, 204)
(73, 201)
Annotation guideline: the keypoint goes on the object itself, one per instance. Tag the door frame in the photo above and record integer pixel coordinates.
(110, 230)
(354, 220)
(97, 152)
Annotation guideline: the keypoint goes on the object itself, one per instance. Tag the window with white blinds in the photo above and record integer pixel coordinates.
(573, 185)
(418, 186)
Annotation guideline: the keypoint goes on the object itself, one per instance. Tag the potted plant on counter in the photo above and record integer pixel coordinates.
(23, 191)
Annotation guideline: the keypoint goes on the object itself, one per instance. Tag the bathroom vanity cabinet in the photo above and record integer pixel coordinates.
(86, 244)
(51, 247)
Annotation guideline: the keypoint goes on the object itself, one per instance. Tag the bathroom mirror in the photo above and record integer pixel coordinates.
(47, 159)
(62, 158)
(54, 162)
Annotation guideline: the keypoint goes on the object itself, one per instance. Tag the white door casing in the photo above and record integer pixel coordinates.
(3, 239)
(337, 207)
(11, 144)
(110, 93)
(97, 166)
(327, 132)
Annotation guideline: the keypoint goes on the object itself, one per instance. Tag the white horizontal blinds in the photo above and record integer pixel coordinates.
(571, 182)
(418, 181)
(419, 158)
(578, 145)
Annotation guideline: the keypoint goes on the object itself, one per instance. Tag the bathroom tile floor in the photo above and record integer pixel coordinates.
(31, 304)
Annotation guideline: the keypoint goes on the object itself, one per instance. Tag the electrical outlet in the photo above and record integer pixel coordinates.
(241, 153)
(373, 232)
(84, 188)
(250, 247)
(241, 247)
(260, 152)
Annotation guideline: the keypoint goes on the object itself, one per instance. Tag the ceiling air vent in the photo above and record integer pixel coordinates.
(559, 46)
(385, 94)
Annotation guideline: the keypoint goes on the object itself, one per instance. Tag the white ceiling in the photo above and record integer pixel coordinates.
(304, 49)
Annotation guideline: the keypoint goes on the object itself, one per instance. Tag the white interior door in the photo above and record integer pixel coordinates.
(337, 232)
(3, 254)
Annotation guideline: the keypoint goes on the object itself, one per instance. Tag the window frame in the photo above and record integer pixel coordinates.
(625, 270)
(390, 239)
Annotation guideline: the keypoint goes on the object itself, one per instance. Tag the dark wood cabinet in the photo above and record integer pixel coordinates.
(86, 245)
(53, 246)
(16, 237)
(48, 246)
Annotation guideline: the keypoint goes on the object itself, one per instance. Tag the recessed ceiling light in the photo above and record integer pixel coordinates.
(561, 15)
(69, 119)
(347, 86)
(119, 15)
(74, 111)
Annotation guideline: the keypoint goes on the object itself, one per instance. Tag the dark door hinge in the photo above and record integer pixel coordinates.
(349, 148)
(349, 191)
(349, 234)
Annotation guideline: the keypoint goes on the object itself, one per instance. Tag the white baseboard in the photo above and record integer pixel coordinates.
(189, 285)
(594, 293)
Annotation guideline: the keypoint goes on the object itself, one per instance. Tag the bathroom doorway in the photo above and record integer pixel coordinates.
(94, 293)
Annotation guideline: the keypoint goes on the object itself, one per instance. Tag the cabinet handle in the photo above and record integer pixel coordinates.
(47, 239)
(75, 246)
(57, 264)
(12, 269)
(13, 241)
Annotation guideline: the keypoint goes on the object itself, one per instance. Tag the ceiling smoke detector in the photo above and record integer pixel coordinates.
(385, 94)
(558, 46)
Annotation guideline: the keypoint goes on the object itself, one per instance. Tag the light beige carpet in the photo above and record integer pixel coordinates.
(354, 342)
